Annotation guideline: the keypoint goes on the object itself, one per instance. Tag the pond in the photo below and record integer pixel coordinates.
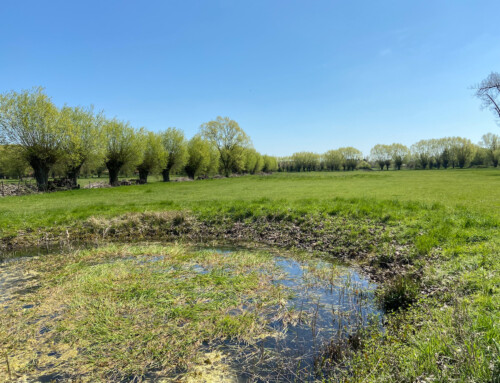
(308, 313)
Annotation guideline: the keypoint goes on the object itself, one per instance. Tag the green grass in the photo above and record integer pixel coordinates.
(437, 229)
(478, 190)
(135, 310)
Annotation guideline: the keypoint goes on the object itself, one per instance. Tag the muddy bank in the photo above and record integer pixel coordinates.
(364, 241)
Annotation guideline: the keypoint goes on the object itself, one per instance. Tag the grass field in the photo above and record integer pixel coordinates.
(478, 190)
(431, 238)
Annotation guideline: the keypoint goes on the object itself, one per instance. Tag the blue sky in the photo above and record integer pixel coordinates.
(297, 75)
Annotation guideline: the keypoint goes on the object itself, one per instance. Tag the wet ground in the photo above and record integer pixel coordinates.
(323, 309)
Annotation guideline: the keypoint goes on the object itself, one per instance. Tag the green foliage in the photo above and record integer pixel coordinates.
(491, 143)
(253, 161)
(363, 165)
(332, 160)
(382, 155)
(203, 157)
(175, 146)
(270, 164)
(230, 140)
(454, 151)
(124, 147)
(13, 164)
(350, 157)
(154, 158)
(305, 161)
(32, 122)
(399, 154)
(84, 140)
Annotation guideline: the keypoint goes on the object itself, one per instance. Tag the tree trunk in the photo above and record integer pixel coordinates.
(143, 176)
(166, 175)
(113, 169)
(41, 170)
(191, 172)
(73, 173)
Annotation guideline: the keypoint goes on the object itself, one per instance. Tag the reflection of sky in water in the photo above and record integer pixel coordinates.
(322, 301)
(327, 307)
(328, 302)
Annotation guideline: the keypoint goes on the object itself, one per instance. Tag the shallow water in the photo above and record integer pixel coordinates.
(329, 304)
(324, 306)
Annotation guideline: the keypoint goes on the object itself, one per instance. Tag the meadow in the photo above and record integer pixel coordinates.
(476, 189)
(428, 238)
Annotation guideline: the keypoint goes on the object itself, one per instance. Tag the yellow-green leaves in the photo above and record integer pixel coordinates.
(124, 147)
(154, 158)
(229, 139)
(203, 157)
(175, 146)
(31, 121)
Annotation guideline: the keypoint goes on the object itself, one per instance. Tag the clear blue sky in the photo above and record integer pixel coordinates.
(297, 75)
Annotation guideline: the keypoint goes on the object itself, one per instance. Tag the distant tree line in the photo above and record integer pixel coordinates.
(39, 138)
(448, 152)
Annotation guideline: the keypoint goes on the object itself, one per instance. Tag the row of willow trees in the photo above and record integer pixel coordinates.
(455, 152)
(35, 134)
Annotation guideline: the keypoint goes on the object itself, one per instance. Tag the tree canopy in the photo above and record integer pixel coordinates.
(84, 141)
(175, 146)
(124, 147)
(229, 139)
(154, 158)
(31, 121)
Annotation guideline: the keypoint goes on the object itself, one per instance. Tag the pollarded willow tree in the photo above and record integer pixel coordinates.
(203, 158)
(124, 147)
(491, 142)
(381, 154)
(84, 143)
(463, 151)
(270, 163)
(175, 146)
(306, 161)
(350, 157)
(421, 151)
(399, 153)
(332, 160)
(154, 158)
(31, 121)
(253, 162)
(229, 140)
